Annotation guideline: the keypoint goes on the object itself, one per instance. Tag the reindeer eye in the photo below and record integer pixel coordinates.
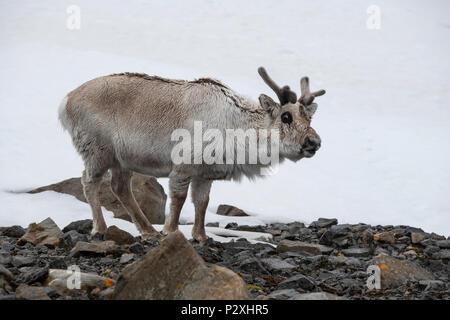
(286, 117)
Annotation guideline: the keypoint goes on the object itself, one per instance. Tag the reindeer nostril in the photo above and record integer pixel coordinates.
(312, 143)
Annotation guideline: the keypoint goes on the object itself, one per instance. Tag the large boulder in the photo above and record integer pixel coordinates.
(395, 272)
(148, 193)
(45, 233)
(231, 211)
(174, 270)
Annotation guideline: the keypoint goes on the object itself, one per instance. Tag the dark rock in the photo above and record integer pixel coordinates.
(298, 281)
(250, 228)
(340, 230)
(80, 226)
(231, 225)
(147, 191)
(13, 232)
(33, 275)
(70, 238)
(231, 211)
(212, 224)
(326, 238)
(252, 265)
(21, 261)
(136, 248)
(119, 236)
(323, 223)
(295, 227)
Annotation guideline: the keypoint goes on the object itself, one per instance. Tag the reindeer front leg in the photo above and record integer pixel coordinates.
(200, 198)
(178, 187)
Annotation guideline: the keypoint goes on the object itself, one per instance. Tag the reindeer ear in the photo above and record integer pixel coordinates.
(269, 105)
(310, 109)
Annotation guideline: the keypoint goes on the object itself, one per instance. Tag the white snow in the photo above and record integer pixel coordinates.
(384, 121)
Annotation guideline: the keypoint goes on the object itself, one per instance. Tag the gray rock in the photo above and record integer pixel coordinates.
(324, 223)
(80, 226)
(340, 230)
(252, 264)
(227, 210)
(302, 247)
(356, 252)
(136, 248)
(387, 237)
(340, 261)
(277, 264)
(416, 237)
(33, 275)
(5, 258)
(445, 244)
(298, 281)
(317, 296)
(395, 272)
(283, 294)
(212, 224)
(25, 292)
(435, 285)
(126, 257)
(6, 246)
(21, 261)
(71, 237)
(13, 232)
(444, 254)
(57, 262)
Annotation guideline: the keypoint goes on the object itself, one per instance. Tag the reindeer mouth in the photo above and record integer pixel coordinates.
(308, 153)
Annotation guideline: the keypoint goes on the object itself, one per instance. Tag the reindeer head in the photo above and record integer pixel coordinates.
(292, 117)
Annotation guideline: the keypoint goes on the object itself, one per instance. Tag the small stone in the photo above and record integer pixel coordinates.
(126, 257)
(317, 296)
(367, 236)
(45, 233)
(444, 244)
(21, 261)
(136, 248)
(13, 232)
(356, 252)
(435, 285)
(283, 294)
(302, 247)
(231, 211)
(444, 255)
(57, 262)
(33, 275)
(5, 258)
(340, 230)
(298, 281)
(323, 223)
(119, 236)
(277, 264)
(410, 253)
(212, 224)
(80, 226)
(387, 237)
(416, 237)
(70, 238)
(96, 248)
(25, 292)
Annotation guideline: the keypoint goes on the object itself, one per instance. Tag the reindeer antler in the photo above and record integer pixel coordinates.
(285, 94)
(307, 96)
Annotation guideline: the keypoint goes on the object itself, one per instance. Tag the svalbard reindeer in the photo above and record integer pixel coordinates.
(124, 123)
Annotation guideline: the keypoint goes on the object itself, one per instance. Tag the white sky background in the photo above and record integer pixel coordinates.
(384, 122)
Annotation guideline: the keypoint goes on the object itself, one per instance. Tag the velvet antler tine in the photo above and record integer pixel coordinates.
(284, 94)
(307, 97)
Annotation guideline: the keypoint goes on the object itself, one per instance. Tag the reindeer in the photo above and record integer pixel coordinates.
(123, 123)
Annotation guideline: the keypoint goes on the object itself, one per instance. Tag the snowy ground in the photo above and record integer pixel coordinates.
(384, 122)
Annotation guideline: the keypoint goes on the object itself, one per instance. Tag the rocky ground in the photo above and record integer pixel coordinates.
(325, 260)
